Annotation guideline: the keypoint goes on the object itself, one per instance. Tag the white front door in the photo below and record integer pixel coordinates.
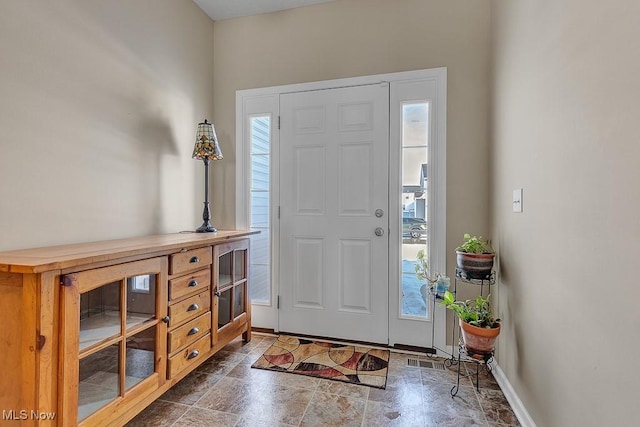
(334, 196)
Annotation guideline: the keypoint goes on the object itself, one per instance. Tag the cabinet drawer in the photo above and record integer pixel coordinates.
(189, 332)
(189, 308)
(194, 353)
(191, 260)
(189, 284)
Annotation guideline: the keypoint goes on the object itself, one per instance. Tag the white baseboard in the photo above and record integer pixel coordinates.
(512, 397)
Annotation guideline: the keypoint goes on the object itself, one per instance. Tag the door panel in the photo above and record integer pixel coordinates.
(355, 175)
(334, 175)
(354, 258)
(308, 273)
(309, 180)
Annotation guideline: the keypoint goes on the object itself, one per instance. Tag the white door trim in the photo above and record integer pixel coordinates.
(437, 175)
(266, 314)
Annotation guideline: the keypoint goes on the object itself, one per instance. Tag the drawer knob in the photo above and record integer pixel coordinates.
(165, 319)
(193, 307)
(193, 354)
(193, 331)
(193, 284)
(194, 259)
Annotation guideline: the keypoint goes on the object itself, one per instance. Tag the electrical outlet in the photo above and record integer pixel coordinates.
(517, 200)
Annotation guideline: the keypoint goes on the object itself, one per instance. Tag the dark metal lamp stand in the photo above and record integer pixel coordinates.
(206, 226)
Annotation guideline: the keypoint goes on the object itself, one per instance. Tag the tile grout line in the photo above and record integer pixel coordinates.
(240, 416)
(366, 400)
(210, 389)
(176, 403)
(364, 412)
(477, 395)
(423, 403)
(309, 403)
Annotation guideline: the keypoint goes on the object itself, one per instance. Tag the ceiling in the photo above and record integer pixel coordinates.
(225, 9)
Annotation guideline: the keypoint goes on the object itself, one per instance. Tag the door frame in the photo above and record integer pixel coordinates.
(266, 100)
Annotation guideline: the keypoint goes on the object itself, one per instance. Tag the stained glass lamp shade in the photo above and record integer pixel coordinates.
(206, 147)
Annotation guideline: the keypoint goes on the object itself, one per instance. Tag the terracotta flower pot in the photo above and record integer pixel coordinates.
(479, 340)
(475, 266)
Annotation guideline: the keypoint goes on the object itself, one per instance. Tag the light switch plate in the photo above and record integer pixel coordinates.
(517, 200)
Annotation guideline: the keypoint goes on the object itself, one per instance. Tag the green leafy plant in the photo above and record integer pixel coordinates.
(475, 245)
(422, 268)
(475, 312)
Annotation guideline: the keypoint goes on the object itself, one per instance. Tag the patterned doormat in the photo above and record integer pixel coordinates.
(341, 362)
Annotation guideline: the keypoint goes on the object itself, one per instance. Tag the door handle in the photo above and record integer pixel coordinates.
(379, 231)
(379, 213)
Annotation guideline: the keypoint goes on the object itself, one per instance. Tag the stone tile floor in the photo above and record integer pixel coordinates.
(226, 391)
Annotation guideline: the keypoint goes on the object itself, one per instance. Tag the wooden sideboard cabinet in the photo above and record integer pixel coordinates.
(95, 332)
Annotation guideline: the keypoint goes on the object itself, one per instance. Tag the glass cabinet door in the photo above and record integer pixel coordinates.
(230, 272)
(118, 323)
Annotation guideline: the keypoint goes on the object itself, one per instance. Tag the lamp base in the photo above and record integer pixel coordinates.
(206, 228)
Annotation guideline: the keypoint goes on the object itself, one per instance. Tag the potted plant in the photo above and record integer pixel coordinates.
(479, 327)
(475, 258)
(422, 267)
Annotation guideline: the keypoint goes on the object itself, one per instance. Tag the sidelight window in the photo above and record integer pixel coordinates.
(413, 209)
(260, 137)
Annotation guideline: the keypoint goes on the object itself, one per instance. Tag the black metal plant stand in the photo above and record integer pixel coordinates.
(482, 363)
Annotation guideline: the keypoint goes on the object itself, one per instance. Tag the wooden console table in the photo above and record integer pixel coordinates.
(92, 333)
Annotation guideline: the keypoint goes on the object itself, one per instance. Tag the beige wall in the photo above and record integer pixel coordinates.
(350, 38)
(99, 102)
(566, 131)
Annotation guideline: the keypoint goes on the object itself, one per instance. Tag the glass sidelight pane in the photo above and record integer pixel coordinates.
(260, 134)
(415, 124)
(99, 380)
(141, 299)
(259, 210)
(260, 267)
(260, 128)
(260, 172)
(413, 209)
(140, 357)
(414, 160)
(99, 314)
(259, 294)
